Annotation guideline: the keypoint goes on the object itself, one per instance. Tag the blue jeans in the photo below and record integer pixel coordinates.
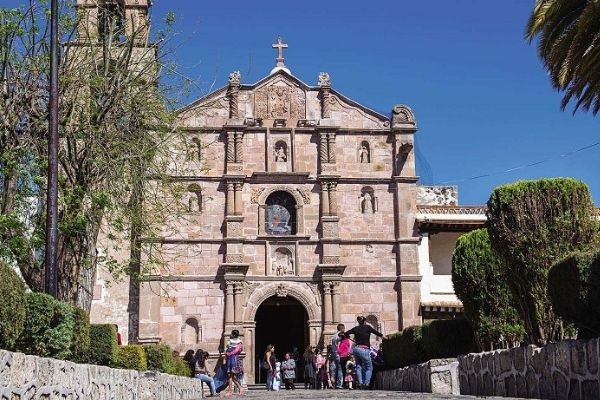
(269, 380)
(364, 366)
(339, 372)
(208, 380)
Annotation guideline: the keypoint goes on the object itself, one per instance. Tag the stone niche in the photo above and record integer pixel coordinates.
(282, 260)
(280, 152)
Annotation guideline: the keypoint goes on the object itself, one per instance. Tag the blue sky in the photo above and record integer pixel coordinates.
(482, 99)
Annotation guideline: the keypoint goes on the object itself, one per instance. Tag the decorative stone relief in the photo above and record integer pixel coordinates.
(234, 229)
(235, 78)
(298, 110)
(279, 102)
(305, 195)
(234, 258)
(314, 288)
(330, 229)
(324, 80)
(254, 199)
(248, 289)
(331, 259)
(282, 290)
(261, 101)
(282, 261)
(402, 115)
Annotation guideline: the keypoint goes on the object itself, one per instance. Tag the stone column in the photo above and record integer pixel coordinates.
(335, 300)
(232, 93)
(239, 153)
(326, 302)
(230, 147)
(323, 150)
(325, 86)
(331, 147)
(332, 198)
(230, 199)
(237, 299)
(325, 210)
(229, 303)
(238, 198)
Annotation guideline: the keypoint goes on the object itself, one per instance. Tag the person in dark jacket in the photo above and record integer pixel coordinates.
(362, 351)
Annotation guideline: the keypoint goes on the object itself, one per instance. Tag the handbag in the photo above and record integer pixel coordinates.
(266, 365)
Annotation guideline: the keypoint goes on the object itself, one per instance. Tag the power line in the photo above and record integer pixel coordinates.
(523, 166)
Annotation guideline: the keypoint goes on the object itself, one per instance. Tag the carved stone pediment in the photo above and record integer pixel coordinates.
(280, 98)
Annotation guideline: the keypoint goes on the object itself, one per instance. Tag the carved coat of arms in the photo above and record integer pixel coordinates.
(279, 101)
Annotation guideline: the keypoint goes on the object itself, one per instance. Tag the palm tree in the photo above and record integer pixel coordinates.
(569, 45)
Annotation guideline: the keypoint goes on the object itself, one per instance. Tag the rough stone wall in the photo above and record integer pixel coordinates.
(564, 370)
(434, 376)
(28, 377)
(437, 195)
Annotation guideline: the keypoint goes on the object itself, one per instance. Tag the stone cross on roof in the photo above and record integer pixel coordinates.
(280, 46)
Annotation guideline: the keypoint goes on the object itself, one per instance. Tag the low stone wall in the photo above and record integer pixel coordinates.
(28, 377)
(434, 376)
(564, 370)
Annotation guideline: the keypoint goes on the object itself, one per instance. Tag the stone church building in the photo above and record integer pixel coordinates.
(303, 211)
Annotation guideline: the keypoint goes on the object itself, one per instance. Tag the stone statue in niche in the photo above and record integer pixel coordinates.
(283, 263)
(280, 154)
(195, 202)
(198, 148)
(367, 205)
(363, 154)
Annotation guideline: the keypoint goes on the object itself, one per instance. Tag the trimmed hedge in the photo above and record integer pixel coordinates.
(81, 335)
(448, 338)
(49, 325)
(103, 345)
(481, 286)
(12, 307)
(436, 339)
(574, 289)
(131, 357)
(161, 358)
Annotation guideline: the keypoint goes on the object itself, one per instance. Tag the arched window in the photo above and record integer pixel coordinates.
(190, 332)
(364, 152)
(280, 214)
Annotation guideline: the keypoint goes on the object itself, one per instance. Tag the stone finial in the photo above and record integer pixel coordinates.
(403, 117)
(235, 78)
(324, 80)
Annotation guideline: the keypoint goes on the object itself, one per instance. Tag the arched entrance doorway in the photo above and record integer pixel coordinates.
(282, 322)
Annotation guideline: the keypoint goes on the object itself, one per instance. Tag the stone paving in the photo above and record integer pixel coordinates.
(349, 394)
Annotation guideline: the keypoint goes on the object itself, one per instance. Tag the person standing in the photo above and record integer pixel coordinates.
(362, 351)
(289, 372)
(335, 341)
(344, 351)
(309, 368)
(269, 360)
(235, 370)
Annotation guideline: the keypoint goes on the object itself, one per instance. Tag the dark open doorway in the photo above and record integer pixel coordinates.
(282, 322)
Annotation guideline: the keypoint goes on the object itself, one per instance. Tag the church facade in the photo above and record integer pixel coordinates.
(303, 211)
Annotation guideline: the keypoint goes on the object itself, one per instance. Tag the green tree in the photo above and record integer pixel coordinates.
(568, 45)
(481, 287)
(115, 117)
(532, 224)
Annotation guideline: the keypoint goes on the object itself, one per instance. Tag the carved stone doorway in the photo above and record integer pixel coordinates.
(282, 322)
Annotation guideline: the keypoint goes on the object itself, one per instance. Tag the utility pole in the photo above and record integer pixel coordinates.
(51, 276)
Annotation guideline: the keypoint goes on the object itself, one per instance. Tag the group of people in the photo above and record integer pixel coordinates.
(228, 376)
(345, 362)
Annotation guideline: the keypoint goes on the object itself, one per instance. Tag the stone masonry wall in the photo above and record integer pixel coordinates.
(29, 377)
(564, 370)
(434, 376)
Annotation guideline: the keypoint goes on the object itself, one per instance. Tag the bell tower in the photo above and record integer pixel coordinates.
(114, 20)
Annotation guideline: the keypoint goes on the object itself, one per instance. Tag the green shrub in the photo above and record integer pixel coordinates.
(162, 358)
(49, 325)
(103, 344)
(404, 348)
(12, 307)
(574, 286)
(531, 225)
(131, 357)
(81, 335)
(447, 338)
(481, 287)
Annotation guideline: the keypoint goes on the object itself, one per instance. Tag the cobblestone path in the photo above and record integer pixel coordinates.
(261, 394)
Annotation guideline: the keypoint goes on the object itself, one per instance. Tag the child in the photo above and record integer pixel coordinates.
(277, 376)
(289, 372)
(350, 369)
(321, 362)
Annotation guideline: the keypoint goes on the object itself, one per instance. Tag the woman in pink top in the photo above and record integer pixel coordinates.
(344, 350)
(321, 363)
